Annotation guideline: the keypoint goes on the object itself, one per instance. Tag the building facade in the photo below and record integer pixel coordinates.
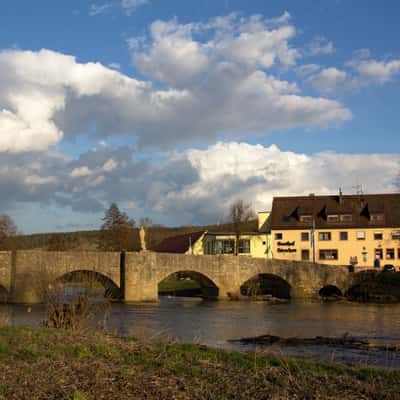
(251, 244)
(359, 230)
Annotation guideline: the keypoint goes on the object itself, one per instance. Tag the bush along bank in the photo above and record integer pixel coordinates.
(56, 364)
(376, 287)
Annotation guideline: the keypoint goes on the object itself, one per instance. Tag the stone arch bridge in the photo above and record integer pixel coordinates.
(24, 274)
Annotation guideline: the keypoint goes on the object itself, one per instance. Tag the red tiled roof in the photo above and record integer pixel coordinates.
(286, 211)
(179, 243)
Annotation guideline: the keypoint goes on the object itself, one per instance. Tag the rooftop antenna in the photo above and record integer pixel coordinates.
(360, 193)
(359, 189)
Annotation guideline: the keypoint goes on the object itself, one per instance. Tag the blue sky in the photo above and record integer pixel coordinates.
(192, 105)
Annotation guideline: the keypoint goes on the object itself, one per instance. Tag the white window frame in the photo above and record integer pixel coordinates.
(307, 219)
(321, 236)
(332, 218)
(346, 218)
(361, 235)
(377, 217)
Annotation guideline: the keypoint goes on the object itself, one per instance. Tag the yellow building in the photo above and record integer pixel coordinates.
(362, 230)
(252, 244)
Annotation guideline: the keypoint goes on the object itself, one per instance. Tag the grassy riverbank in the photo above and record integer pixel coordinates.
(173, 284)
(48, 364)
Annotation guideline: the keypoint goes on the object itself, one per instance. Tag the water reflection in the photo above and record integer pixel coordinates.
(213, 323)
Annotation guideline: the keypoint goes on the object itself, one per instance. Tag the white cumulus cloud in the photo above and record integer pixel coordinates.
(320, 45)
(227, 171)
(191, 186)
(377, 71)
(222, 87)
(360, 71)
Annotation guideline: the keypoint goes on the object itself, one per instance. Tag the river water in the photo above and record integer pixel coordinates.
(213, 323)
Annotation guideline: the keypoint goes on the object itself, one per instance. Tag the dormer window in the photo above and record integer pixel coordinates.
(377, 217)
(332, 218)
(346, 218)
(306, 218)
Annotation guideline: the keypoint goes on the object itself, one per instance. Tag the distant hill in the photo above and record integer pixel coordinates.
(88, 240)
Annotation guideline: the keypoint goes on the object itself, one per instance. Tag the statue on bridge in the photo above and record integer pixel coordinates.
(142, 236)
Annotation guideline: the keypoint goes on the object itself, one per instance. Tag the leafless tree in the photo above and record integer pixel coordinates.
(239, 212)
(7, 226)
(146, 222)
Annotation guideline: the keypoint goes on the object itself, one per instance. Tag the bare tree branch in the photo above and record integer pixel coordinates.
(239, 212)
(7, 226)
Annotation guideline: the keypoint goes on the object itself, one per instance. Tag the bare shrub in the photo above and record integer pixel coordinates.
(7, 226)
(8, 229)
(84, 308)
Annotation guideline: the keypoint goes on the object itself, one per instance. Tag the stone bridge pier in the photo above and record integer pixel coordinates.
(134, 277)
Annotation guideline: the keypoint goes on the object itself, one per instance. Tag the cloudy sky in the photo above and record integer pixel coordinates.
(174, 109)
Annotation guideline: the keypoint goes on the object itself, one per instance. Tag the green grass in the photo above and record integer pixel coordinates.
(44, 363)
(78, 395)
(172, 284)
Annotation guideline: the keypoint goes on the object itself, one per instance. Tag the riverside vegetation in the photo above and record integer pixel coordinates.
(56, 364)
(74, 363)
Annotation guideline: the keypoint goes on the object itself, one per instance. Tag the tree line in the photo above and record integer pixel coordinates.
(119, 232)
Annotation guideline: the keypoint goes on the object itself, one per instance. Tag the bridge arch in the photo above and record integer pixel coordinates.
(90, 279)
(4, 294)
(266, 284)
(207, 287)
(330, 291)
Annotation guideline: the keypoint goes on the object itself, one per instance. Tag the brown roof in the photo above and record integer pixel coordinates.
(179, 243)
(232, 233)
(286, 211)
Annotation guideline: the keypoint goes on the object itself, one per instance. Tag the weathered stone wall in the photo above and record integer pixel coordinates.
(35, 270)
(5, 269)
(26, 274)
(145, 270)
